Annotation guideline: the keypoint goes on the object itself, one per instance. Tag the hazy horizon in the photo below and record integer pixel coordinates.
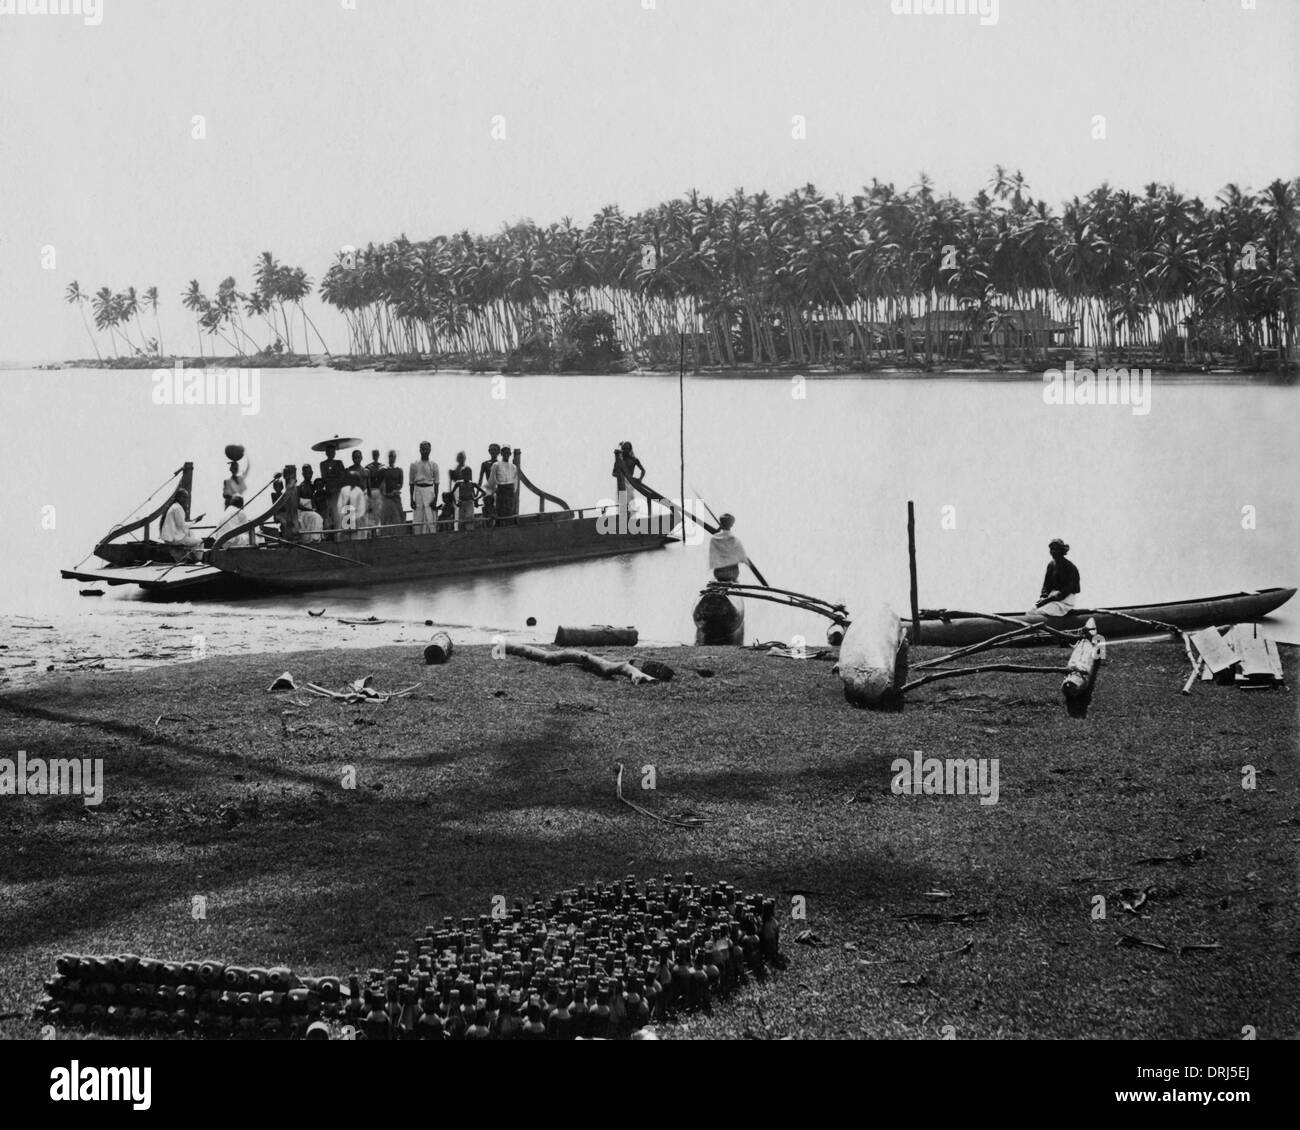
(328, 125)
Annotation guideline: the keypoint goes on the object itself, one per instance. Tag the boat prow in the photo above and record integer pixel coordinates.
(151, 578)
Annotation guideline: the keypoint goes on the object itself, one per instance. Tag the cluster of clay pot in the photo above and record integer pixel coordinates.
(608, 961)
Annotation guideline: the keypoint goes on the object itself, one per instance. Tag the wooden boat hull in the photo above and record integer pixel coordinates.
(1186, 615)
(719, 620)
(535, 539)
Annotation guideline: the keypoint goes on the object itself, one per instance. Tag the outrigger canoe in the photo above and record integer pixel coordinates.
(370, 556)
(957, 629)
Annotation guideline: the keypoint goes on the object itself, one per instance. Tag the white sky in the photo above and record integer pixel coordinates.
(328, 126)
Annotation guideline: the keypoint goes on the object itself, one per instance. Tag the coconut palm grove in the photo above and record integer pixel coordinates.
(876, 278)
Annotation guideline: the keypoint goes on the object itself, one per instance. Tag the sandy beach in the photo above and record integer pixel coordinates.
(133, 637)
(498, 776)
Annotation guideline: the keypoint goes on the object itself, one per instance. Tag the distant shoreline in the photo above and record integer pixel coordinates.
(467, 366)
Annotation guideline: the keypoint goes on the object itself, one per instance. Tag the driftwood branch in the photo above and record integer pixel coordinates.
(971, 649)
(584, 659)
(1015, 668)
(693, 822)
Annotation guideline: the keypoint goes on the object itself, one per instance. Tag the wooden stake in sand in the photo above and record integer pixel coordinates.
(584, 659)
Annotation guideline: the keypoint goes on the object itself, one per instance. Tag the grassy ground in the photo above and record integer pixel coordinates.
(497, 777)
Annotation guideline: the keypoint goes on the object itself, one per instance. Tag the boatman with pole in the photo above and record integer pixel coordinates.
(726, 552)
(1060, 583)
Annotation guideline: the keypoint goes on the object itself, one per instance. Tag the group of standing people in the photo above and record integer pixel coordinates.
(457, 508)
(355, 497)
(345, 496)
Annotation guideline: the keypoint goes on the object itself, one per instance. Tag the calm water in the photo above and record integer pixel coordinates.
(1152, 505)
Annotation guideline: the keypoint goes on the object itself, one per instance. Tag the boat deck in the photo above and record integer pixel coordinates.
(153, 577)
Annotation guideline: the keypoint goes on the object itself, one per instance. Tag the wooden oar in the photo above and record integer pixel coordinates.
(309, 549)
(752, 567)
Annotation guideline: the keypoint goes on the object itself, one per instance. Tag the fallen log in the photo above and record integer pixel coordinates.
(439, 649)
(607, 668)
(597, 635)
(1085, 661)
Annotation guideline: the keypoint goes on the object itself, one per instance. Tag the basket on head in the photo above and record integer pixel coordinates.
(234, 452)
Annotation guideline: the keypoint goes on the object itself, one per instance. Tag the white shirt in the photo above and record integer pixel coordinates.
(503, 474)
(426, 471)
(175, 528)
(726, 549)
(352, 507)
(233, 517)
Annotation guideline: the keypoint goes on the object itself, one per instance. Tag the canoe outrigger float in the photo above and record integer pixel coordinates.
(716, 618)
(131, 556)
(874, 662)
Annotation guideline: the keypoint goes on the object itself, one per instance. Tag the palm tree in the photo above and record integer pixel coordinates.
(151, 301)
(108, 314)
(795, 279)
(75, 296)
(193, 299)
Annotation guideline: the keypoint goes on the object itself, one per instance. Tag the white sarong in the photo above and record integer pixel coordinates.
(424, 515)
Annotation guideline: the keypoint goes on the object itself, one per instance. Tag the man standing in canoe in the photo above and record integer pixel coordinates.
(424, 492)
(726, 553)
(1060, 583)
(626, 464)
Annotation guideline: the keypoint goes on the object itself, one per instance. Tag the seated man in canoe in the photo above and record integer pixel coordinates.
(1060, 583)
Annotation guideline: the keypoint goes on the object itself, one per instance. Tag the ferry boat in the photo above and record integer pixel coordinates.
(130, 554)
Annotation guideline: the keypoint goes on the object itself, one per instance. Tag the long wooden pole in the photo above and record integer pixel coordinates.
(911, 566)
(681, 426)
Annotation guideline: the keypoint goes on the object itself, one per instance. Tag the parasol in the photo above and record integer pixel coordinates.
(341, 443)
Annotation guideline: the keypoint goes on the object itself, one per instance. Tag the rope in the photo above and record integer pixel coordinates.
(139, 506)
